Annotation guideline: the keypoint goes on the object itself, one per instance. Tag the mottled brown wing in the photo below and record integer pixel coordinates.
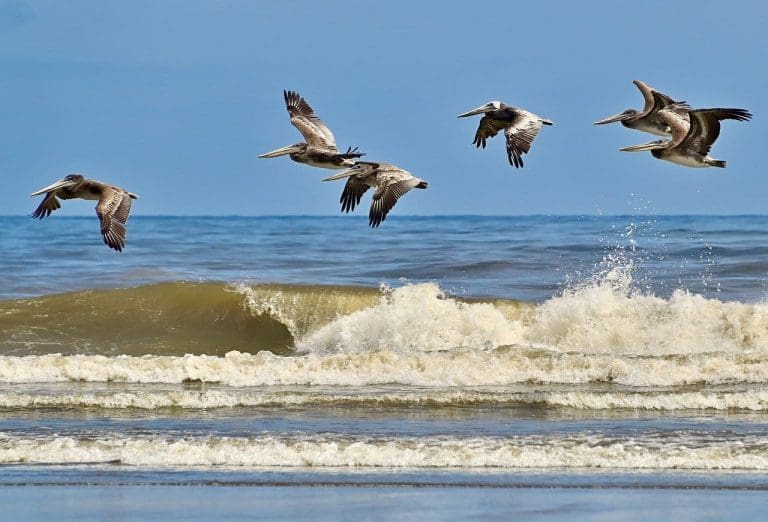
(113, 209)
(352, 194)
(678, 122)
(488, 128)
(49, 203)
(385, 197)
(647, 92)
(705, 126)
(520, 136)
(664, 102)
(315, 132)
(654, 100)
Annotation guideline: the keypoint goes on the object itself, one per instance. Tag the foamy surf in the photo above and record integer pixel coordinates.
(501, 367)
(604, 317)
(600, 332)
(681, 451)
(153, 398)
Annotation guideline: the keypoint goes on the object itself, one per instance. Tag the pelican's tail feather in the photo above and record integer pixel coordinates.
(716, 163)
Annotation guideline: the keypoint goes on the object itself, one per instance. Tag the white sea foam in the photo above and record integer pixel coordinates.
(605, 316)
(415, 318)
(608, 316)
(466, 367)
(149, 399)
(674, 451)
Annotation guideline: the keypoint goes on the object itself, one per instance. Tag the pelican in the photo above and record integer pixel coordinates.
(648, 119)
(114, 204)
(320, 148)
(520, 128)
(390, 182)
(691, 139)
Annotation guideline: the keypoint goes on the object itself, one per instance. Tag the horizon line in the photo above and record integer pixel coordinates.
(644, 214)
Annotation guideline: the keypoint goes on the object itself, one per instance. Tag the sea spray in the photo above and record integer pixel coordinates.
(611, 316)
(415, 318)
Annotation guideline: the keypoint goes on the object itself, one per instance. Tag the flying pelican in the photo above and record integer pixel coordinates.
(112, 209)
(320, 149)
(520, 128)
(691, 140)
(648, 120)
(390, 182)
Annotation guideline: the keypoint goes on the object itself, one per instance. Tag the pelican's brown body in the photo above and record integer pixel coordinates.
(114, 204)
(520, 128)
(388, 181)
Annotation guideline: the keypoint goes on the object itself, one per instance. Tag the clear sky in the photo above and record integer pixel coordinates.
(175, 100)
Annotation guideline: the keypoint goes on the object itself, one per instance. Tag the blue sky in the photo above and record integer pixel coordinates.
(175, 100)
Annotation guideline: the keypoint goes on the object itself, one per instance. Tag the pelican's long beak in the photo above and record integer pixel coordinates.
(658, 144)
(610, 119)
(479, 110)
(343, 174)
(62, 183)
(282, 151)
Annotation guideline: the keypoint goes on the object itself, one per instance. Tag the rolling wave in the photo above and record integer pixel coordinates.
(265, 335)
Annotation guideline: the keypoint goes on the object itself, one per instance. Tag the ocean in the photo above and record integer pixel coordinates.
(433, 359)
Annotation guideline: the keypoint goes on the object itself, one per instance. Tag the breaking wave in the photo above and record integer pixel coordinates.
(681, 451)
(262, 335)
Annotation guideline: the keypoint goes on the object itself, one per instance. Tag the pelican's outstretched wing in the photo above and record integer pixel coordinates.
(315, 132)
(654, 100)
(352, 194)
(113, 209)
(705, 127)
(390, 186)
(520, 136)
(488, 128)
(47, 206)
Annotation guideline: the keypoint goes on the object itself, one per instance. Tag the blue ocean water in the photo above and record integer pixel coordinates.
(615, 351)
(528, 258)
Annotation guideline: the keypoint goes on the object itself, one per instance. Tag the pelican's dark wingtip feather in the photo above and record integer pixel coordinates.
(296, 104)
(347, 200)
(113, 234)
(479, 142)
(351, 153)
(46, 207)
(515, 158)
(739, 114)
(375, 217)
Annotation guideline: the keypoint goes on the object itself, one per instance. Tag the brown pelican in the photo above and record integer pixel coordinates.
(320, 149)
(693, 138)
(112, 209)
(390, 182)
(648, 120)
(520, 128)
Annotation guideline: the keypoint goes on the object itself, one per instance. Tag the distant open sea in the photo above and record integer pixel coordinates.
(592, 354)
